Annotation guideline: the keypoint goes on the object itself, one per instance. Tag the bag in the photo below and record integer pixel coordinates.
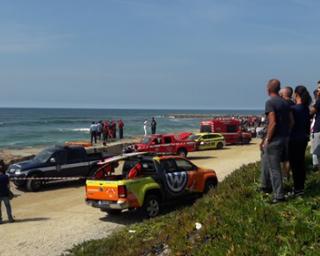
(11, 195)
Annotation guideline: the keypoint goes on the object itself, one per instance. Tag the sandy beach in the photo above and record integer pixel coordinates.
(53, 220)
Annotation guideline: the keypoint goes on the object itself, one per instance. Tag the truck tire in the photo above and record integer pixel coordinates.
(151, 206)
(182, 152)
(219, 145)
(112, 211)
(210, 184)
(33, 185)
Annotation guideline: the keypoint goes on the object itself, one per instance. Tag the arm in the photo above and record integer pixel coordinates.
(271, 126)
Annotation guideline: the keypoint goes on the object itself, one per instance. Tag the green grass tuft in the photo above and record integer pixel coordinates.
(235, 218)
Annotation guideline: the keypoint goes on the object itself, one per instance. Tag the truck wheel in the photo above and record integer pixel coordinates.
(151, 206)
(210, 184)
(33, 185)
(219, 145)
(113, 211)
(182, 152)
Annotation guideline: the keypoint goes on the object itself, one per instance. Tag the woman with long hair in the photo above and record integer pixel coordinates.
(299, 137)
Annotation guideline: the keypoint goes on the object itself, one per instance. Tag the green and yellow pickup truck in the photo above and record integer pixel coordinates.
(146, 182)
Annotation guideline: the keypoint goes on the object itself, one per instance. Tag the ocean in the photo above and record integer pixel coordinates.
(27, 127)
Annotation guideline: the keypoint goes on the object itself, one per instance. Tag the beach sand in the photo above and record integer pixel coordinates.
(53, 220)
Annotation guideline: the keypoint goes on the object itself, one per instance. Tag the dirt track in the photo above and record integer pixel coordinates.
(51, 221)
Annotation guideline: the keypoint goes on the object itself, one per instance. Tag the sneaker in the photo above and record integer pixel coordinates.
(299, 192)
(1, 222)
(278, 200)
(12, 220)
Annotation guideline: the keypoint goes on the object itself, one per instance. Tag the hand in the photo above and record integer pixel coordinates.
(263, 144)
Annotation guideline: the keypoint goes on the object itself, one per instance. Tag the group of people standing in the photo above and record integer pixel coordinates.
(288, 125)
(153, 126)
(106, 130)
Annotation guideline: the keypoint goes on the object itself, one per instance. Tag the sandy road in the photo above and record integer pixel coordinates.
(51, 221)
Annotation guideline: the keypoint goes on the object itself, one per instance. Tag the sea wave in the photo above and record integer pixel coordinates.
(83, 130)
(44, 122)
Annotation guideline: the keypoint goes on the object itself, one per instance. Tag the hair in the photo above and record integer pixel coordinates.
(274, 86)
(289, 91)
(304, 95)
(319, 82)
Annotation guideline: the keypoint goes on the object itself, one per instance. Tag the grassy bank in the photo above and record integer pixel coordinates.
(236, 220)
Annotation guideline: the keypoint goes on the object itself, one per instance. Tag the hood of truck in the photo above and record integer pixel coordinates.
(24, 166)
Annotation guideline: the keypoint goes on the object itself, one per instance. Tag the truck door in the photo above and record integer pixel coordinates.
(167, 145)
(175, 180)
(194, 177)
(155, 144)
(60, 159)
(77, 164)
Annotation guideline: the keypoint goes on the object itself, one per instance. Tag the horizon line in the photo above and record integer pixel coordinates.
(126, 108)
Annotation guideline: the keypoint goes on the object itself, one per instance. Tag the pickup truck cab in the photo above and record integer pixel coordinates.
(56, 161)
(165, 143)
(156, 180)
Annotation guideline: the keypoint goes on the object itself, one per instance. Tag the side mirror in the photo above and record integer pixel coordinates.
(52, 160)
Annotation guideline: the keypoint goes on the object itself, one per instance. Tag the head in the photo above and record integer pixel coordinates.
(288, 91)
(302, 95)
(273, 87)
(318, 90)
(93, 123)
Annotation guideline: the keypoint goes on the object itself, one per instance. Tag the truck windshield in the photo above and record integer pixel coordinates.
(145, 140)
(194, 137)
(44, 155)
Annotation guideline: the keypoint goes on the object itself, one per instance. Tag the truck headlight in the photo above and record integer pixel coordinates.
(18, 172)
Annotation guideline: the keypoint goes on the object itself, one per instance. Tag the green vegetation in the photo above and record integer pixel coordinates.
(236, 220)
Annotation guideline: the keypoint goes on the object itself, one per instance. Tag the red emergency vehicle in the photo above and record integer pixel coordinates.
(165, 143)
(230, 128)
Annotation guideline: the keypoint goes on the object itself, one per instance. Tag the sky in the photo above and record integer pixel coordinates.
(181, 54)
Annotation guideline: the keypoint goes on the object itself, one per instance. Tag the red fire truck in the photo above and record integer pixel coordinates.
(230, 128)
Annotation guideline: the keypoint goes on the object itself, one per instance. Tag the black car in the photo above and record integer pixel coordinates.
(56, 161)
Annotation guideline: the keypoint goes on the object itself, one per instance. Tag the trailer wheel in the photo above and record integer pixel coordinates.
(33, 185)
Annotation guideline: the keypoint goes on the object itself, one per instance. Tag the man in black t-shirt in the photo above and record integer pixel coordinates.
(153, 126)
(279, 121)
(4, 193)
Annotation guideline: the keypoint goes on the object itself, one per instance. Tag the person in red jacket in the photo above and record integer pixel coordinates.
(120, 125)
(135, 171)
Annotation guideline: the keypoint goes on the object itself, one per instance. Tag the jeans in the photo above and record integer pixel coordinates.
(297, 151)
(8, 207)
(271, 167)
(265, 174)
(315, 148)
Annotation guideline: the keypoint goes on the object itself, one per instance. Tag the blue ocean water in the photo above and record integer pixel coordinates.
(20, 128)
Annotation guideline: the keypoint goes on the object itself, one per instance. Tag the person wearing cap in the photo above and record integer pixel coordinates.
(5, 193)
